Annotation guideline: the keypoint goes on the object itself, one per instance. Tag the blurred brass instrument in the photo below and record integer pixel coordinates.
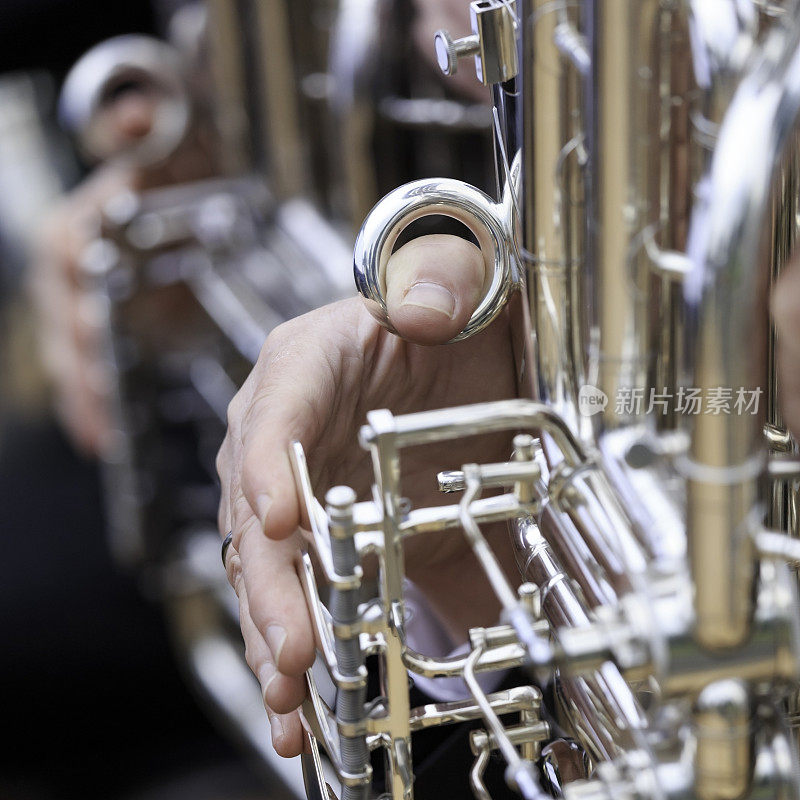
(648, 154)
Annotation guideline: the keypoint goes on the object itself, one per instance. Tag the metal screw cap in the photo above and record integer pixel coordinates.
(446, 54)
(449, 50)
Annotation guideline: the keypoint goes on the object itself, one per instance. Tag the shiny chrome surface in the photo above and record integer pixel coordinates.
(553, 243)
(492, 223)
(493, 43)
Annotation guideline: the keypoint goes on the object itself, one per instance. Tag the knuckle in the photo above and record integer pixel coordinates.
(55, 227)
(251, 658)
(222, 459)
(275, 340)
(234, 572)
(233, 412)
(281, 342)
(220, 464)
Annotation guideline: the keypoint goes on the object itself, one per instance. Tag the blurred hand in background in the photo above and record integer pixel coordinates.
(70, 315)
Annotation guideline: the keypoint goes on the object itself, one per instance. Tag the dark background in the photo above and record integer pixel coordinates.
(52, 34)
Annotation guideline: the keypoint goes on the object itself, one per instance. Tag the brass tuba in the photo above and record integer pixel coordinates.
(647, 154)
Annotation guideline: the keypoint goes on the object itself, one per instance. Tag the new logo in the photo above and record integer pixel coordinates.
(591, 400)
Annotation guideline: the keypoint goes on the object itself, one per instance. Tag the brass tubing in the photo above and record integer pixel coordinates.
(230, 89)
(724, 758)
(276, 81)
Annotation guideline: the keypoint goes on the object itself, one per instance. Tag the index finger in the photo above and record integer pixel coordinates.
(302, 376)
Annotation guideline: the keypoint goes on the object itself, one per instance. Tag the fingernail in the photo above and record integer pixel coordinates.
(275, 636)
(263, 504)
(431, 296)
(276, 726)
(266, 675)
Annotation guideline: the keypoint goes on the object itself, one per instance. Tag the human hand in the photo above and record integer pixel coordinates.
(315, 380)
(71, 316)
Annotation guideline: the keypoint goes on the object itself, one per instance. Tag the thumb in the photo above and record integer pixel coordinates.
(133, 116)
(433, 285)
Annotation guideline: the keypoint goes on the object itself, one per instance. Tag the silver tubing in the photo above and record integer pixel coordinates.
(607, 728)
(492, 224)
(519, 773)
(514, 609)
(425, 427)
(350, 706)
(551, 225)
